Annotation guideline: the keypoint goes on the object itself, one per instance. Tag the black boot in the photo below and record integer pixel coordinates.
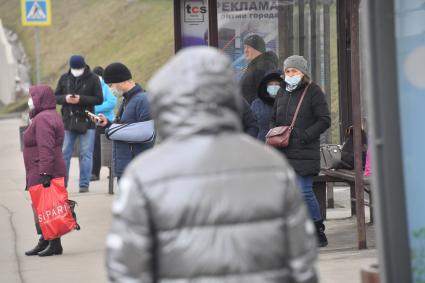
(54, 248)
(321, 236)
(41, 245)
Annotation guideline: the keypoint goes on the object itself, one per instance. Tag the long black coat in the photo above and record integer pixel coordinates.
(255, 72)
(303, 151)
(87, 86)
(249, 121)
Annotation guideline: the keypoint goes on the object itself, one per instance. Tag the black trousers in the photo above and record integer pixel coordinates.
(97, 163)
(37, 225)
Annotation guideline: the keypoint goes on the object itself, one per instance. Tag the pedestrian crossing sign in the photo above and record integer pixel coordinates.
(36, 12)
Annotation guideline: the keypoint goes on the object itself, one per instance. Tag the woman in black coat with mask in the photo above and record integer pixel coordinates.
(303, 151)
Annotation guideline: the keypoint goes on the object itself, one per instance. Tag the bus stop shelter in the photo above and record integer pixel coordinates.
(325, 32)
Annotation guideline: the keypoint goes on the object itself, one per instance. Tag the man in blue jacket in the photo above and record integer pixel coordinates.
(107, 109)
(134, 108)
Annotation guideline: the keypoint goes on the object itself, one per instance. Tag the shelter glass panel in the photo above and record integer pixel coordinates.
(237, 20)
(304, 27)
(194, 22)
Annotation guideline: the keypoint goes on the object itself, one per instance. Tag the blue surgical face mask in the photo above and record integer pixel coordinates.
(293, 81)
(272, 90)
(116, 92)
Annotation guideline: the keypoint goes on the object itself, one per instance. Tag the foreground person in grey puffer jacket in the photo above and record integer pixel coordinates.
(209, 204)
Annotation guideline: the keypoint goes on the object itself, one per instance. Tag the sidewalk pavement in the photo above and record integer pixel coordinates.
(83, 258)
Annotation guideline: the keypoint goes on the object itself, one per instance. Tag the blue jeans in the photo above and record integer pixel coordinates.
(306, 185)
(86, 154)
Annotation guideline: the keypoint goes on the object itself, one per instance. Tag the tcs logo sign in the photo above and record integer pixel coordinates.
(192, 9)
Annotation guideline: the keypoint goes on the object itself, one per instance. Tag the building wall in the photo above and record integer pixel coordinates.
(8, 70)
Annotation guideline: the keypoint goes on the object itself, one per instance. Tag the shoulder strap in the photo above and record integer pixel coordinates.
(299, 105)
(120, 111)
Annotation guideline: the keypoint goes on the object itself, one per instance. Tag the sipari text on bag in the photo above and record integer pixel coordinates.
(52, 209)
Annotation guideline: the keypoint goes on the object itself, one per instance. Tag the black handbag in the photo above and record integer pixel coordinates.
(335, 156)
(79, 122)
(72, 204)
(330, 156)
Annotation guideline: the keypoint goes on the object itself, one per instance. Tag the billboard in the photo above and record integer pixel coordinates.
(410, 48)
(236, 19)
(194, 23)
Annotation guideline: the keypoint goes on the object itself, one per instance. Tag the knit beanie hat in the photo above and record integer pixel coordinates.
(77, 62)
(256, 42)
(298, 62)
(116, 73)
(98, 70)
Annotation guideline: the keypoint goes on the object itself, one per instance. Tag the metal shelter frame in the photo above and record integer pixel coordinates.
(348, 71)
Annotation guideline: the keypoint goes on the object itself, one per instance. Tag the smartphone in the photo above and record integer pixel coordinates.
(92, 115)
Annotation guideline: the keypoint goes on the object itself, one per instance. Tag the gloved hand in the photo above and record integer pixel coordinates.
(45, 180)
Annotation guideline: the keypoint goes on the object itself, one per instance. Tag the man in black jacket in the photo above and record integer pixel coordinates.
(79, 90)
(260, 62)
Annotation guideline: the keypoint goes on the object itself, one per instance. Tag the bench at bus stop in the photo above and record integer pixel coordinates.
(324, 195)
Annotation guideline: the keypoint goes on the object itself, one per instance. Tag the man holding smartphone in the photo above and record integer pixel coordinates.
(79, 90)
(134, 108)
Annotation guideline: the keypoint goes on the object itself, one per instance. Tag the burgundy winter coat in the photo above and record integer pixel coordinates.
(43, 139)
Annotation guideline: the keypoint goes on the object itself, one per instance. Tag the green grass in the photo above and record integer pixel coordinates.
(137, 33)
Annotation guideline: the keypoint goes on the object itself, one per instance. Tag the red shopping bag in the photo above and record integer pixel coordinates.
(52, 209)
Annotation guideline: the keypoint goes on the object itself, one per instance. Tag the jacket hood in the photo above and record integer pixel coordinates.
(196, 92)
(43, 98)
(262, 87)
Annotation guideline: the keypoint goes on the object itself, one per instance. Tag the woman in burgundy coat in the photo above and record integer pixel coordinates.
(43, 157)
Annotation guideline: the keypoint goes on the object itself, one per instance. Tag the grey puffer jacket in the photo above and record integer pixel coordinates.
(209, 204)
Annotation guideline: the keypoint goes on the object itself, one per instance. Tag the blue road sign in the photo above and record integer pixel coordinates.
(36, 12)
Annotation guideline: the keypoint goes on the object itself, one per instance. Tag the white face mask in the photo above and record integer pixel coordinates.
(31, 104)
(77, 72)
(293, 81)
(116, 92)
